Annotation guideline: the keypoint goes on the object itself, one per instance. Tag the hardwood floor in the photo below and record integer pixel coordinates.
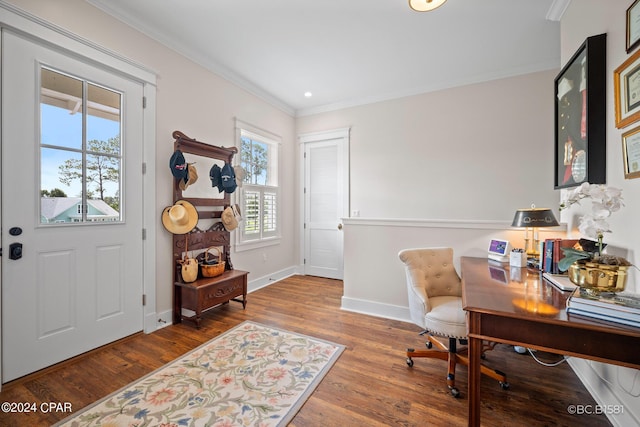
(370, 385)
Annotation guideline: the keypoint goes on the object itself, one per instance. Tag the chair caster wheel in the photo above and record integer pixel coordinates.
(429, 344)
(455, 392)
(504, 386)
(409, 362)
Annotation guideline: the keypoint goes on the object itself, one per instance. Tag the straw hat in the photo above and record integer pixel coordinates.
(228, 218)
(192, 176)
(180, 218)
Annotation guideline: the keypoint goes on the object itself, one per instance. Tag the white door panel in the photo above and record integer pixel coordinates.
(77, 286)
(325, 206)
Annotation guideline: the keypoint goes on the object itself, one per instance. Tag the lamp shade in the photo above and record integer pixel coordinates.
(425, 5)
(534, 217)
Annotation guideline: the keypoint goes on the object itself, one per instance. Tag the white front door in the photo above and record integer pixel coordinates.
(72, 148)
(326, 202)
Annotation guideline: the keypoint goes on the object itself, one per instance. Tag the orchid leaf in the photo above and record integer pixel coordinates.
(570, 256)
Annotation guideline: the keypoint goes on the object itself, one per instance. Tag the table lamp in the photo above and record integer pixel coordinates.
(531, 219)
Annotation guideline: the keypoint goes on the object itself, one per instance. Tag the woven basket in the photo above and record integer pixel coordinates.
(212, 270)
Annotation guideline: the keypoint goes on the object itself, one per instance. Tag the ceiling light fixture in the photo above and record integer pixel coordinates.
(425, 5)
(308, 94)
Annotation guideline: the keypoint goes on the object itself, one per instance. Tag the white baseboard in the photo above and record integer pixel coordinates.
(377, 309)
(163, 319)
(261, 282)
(617, 412)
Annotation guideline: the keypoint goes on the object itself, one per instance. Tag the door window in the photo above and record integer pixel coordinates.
(80, 150)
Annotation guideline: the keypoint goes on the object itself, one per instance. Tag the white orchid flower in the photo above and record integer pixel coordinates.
(604, 201)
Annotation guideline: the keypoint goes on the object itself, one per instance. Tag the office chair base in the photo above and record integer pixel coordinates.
(453, 358)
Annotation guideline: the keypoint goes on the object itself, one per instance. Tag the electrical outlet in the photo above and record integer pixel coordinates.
(264, 257)
(355, 213)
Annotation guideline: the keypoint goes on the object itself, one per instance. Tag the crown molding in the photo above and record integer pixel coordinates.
(557, 9)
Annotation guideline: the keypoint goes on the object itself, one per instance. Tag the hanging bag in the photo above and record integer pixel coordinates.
(189, 268)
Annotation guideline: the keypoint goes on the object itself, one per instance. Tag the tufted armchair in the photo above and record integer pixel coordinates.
(435, 303)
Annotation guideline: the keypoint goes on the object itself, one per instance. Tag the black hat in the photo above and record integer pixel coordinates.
(228, 178)
(178, 165)
(216, 177)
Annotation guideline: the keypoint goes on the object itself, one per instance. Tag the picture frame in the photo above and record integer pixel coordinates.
(580, 116)
(631, 153)
(626, 86)
(633, 26)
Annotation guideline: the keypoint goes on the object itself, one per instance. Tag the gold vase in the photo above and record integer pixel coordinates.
(595, 277)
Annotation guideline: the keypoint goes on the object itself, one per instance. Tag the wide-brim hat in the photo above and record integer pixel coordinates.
(180, 218)
(192, 176)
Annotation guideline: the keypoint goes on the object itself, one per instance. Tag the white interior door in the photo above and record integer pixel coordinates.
(78, 283)
(326, 202)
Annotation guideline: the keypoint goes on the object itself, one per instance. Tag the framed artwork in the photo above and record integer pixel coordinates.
(580, 116)
(626, 86)
(633, 25)
(631, 153)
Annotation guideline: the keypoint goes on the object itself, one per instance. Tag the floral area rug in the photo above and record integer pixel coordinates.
(251, 375)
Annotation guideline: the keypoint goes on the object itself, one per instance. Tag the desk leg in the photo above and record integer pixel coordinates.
(475, 351)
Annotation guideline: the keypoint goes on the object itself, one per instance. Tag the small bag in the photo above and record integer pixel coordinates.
(211, 267)
(189, 268)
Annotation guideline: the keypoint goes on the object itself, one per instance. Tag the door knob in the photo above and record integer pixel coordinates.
(15, 251)
(339, 226)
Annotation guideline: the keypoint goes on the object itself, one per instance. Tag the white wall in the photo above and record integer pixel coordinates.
(203, 106)
(609, 384)
(473, 154)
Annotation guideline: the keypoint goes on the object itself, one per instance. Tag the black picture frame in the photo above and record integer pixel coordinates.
(580, 116)
(633, 26)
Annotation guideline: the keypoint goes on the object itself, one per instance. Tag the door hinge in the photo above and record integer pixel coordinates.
(304, 261)
(144, 168)
(144, 234)
(304, 226)
(144, 102)
(144, 299)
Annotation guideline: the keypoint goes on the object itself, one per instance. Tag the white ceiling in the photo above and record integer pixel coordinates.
(351, 52)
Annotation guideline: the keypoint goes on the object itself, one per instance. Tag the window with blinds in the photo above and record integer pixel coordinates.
(259, 192)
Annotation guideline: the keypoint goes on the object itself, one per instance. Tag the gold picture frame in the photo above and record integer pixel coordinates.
(626, 87)
(631, 153)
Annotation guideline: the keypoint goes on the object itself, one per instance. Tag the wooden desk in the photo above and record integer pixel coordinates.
(516, 306)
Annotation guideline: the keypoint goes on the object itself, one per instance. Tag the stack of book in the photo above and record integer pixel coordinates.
(551, 253)
(619, 308)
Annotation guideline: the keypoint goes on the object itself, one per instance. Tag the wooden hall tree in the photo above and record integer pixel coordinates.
(205, 292)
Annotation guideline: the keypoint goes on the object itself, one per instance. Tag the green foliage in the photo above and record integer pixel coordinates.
(103, 165)
(56, 192)
(254, 159)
